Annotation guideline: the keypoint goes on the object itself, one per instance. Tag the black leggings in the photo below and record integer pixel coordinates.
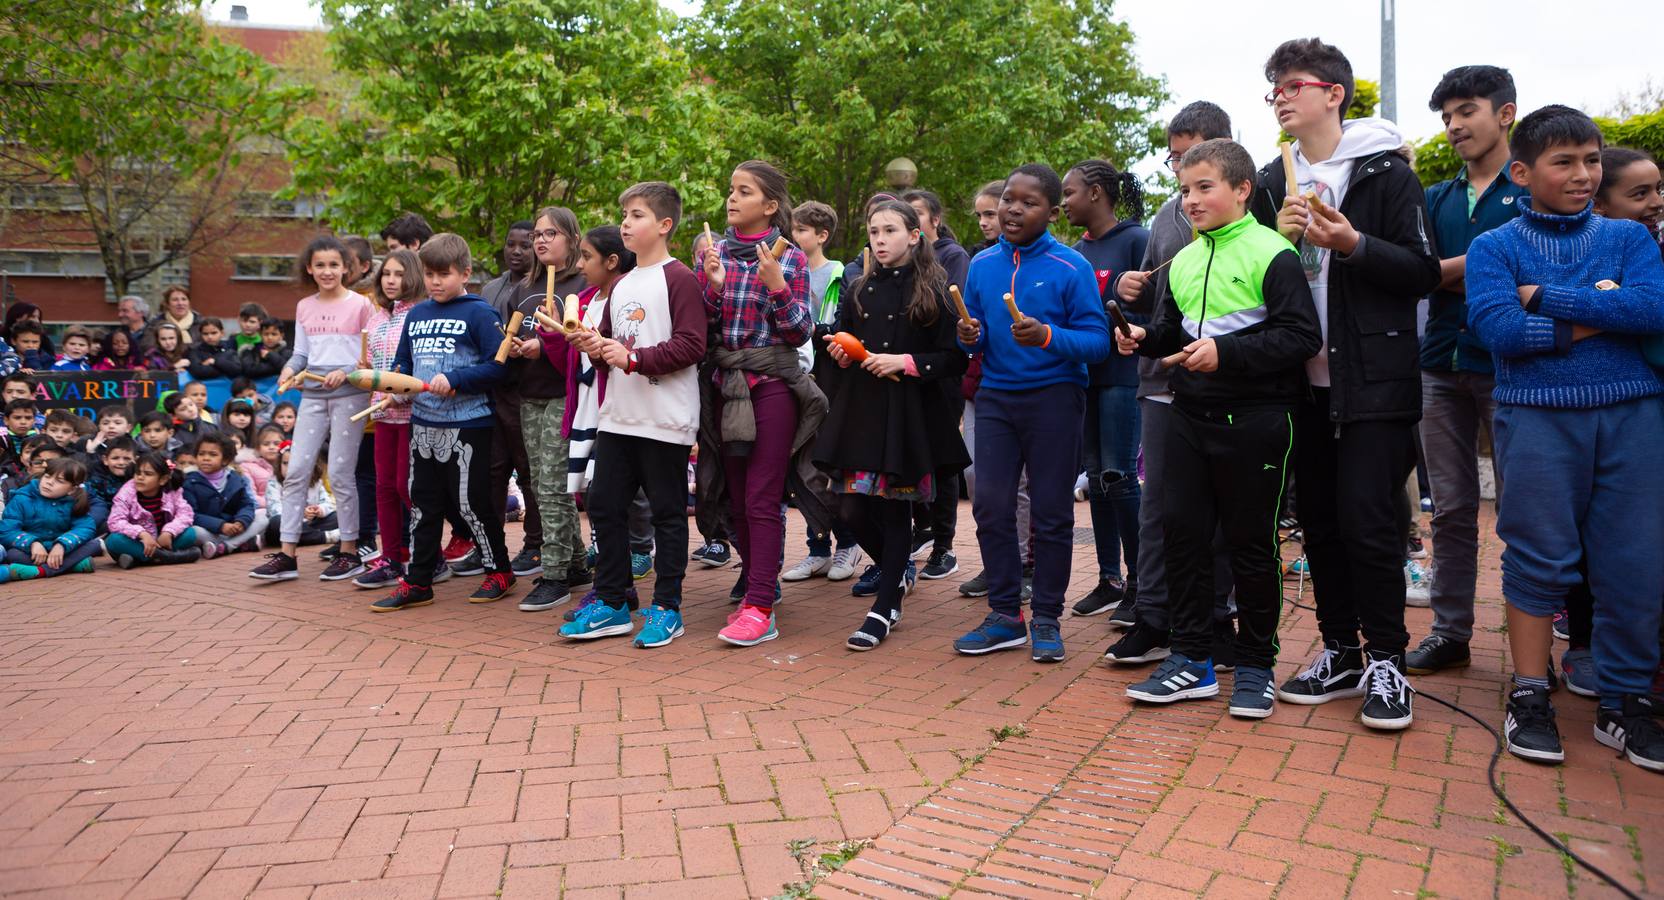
(884, 529)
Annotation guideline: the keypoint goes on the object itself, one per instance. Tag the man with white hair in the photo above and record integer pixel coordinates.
(133, 312)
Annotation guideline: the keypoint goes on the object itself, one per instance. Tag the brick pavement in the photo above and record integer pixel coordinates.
(188, 732)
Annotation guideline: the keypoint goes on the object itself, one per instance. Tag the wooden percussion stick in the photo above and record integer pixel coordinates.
(959, 303)
(779, 247)
(1293, 185)
(570, 320)
(1011, 306)
(508, 335)
(1168, 362)
(549, 292)
(375, 407)
(548, 321)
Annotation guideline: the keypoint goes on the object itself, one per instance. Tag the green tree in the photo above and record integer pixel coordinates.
(475, 113)
(831, 90)
(145, 114)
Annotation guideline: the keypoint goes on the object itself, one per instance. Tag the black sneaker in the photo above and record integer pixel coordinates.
(1144, 643)
(367, 549)
(1252, 694)
(1100, 599)
(941, 565)
(189, 555)
(405, 596)
(1529, 727)
(865, 586)
(329, 553)
(579, 575)
(495, 587)
(344, 566)
(278, 566)
(1633, 731)
(529, 562)
(1387, 693)
(1125, 614)
(923, 546)
(472, 564)
(546, 593)
(716, 554)
(1436, 653)
(383, 573)
(1224, 645)
(1334, 673)
(976, 587)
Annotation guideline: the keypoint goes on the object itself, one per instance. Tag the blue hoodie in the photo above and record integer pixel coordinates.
(1052, 283)
(458, 339)
(31, 518)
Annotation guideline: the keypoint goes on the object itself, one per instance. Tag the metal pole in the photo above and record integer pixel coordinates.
(1389, 62)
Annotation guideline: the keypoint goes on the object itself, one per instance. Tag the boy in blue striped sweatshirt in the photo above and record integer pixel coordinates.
(450, 341)
(1563, 297)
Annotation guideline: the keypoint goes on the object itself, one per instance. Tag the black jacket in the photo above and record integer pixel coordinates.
(1374, 367)
(213, 360)
(257, 367)
(903, 429)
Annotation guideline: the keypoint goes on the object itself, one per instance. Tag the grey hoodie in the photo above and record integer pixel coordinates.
(1170, 232)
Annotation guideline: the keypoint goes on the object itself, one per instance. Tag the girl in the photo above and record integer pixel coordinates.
(1630, 188)
(237, 416)
(121, 354)
(225, 516)
(602, 260)
(883, 439)
(770, 407)
(398, 288)
(257, 463)
(170, 347)
(48, 528)
(1094, 196)
(283, 416)
(329, 326)
(210, 355)
(150, 522)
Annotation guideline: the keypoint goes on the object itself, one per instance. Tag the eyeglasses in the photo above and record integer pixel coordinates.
(1172, 161)
(1292, 90)
(546, 235)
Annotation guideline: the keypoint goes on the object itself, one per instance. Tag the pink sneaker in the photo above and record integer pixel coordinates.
(749, 626)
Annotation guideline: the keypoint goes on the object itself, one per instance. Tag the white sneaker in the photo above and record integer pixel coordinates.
(844, 563)
(807, 569)
(1418, 584)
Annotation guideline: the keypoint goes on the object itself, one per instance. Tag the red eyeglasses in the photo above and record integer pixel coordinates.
(1292, 90)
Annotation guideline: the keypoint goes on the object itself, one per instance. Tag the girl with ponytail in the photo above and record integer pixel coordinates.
(48, 527)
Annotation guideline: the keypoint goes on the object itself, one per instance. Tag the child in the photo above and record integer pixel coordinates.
(18, 386)
(223, 509)
(267, 358)
(1095, 195)
(111, 469)
(1457, 376)
(20, 424)
(60, 427)
(47, 528)
(170, 347)
(813, 224)
(1630, 188)
(237, 417)
(9, 360)
(27, 339)
(408, 232)
(770, 408)
(1238, 309)
(1577, 410)
(250, 316)
(603, 259)
(398, 288)
(1368, 258)
(651, 341)
(1029, 406)
(283, 416)
(258, 462)
(243, 388)
(210, 355)
(77, 349)
(188, 423)
(36, 452)
(530, 416)
(884, 442)
(122, 354)
(198, 392)
(150, 522)
(329, 325)
(114, 420)
(450, 341)
(156, 433)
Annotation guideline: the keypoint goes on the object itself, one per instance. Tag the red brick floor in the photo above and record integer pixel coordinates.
(189, 732)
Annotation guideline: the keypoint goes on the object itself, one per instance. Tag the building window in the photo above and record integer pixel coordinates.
(263, 268)
(52, 263)
(43, 197)
(257, 205)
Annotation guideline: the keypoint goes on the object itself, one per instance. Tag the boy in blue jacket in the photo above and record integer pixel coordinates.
(222, 504)
(1030, 405)
(450, 341)
(1563, 298)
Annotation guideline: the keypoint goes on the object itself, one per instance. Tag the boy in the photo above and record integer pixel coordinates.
(26, 338)
(249, 317)
(1562, 297)
(408, 232)
(652, 340)
(450, 341)
(111, 469)
(1029, 407)
(187, 416)
(1366, 253)
(35, 452)
(813, 224)
(211, 355)
(20, 426)
(267, 358)
(1239, 314)
(1149, 621)
(1457, 380)
(77, 346)
(114, 421)
(156, 434)
(60, 427)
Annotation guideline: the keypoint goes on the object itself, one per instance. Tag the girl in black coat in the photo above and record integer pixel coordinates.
(887, 430)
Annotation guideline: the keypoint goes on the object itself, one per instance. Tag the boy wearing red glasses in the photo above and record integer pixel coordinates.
(1358, 217)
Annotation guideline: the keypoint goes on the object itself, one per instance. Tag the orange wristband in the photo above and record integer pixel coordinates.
(1048, 342)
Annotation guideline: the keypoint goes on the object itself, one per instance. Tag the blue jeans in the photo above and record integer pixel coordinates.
(1110, 457)
(1585, 484)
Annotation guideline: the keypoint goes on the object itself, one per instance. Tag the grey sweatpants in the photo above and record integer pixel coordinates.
(1455, 408)
(322, 419)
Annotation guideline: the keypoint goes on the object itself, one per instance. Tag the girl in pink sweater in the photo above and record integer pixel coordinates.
(150, 522)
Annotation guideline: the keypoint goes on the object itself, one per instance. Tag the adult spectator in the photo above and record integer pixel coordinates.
(176, 311)
(133, 314)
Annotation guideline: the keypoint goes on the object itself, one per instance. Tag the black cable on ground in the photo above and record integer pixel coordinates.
(1496, 788)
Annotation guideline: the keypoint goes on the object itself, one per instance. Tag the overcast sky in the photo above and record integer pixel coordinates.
(1582, 53)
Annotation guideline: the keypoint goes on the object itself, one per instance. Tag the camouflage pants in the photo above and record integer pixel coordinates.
(546, 452)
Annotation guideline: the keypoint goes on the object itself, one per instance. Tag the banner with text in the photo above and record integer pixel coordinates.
(85, 393)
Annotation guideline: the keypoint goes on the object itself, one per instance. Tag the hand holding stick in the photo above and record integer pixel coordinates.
(570, 319)
(959, 303)
(375, 407)
(1120, 319)
(1011, 306)
(1168, 362)
(513, 329)
(779, 248)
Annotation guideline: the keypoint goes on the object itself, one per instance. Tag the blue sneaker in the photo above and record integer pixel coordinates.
(662, 627)
(1046, 645)
(909, 578)
(867, 584)
(1177, 678)
(641, 565)
(997, 632)
(599, 620)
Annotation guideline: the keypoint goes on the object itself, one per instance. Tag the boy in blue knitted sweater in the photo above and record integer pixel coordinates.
(1563, 298)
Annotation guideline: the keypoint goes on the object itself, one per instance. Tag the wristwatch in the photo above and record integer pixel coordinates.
(633, 364)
